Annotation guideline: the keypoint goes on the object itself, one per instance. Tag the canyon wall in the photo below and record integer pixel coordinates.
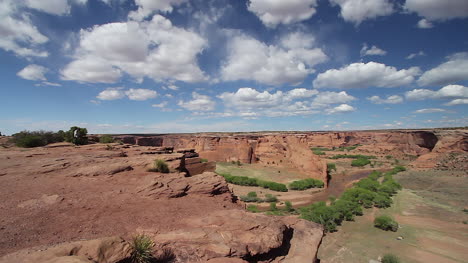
(292, 149)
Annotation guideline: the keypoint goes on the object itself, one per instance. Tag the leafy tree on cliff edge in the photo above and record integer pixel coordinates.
(77, 135)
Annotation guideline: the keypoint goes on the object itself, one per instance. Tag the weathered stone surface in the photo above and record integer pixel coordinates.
(103, 250)
(252, 237)
(177, 185)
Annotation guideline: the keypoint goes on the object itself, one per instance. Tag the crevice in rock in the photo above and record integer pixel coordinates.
(280, 251)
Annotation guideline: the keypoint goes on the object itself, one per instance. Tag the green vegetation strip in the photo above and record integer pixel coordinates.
(248, 181)
(366, 193)
(352, 156)
(306, 184)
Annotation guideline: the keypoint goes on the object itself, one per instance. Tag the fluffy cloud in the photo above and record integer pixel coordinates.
(132, 94)
(198, 103)
(414, 55)
(430, 110)
(326, 98)
(356, 11)
(343, 108)
(155, 49)
(363, 75)
(458, 94)
(274, 12)
(148, 7)
(54, 7)
(248, 102)
(372, 51)
(437, 9)
(289, 62)
(456, 102)
(19, 35)
(393, 99)
(424, 23)
(141, 94)
(33, 72)
(452, 71)
(111, 94)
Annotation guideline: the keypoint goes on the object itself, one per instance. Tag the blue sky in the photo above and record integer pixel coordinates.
(158, 66)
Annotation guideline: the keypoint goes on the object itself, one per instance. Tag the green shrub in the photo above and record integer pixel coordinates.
(269, 198)
(386, 223)
(388, 157)
(382, 201)
(251, 197)
(288, 206)
(317, 152)
(106, 139)
(352, 156)
(160, 166)
(203, 160)
(360, 162)
(29, 139)
(273, 207)
(142, 247)
(331, 167)
(322, 214)
(238, 163)
(368, 184)
(390, 258)
(320, 149)
(347, 148)
(77, 135)
(272, 186)
(253, 208)
(306, 184)
(375, 175)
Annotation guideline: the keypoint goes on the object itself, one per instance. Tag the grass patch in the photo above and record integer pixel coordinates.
(390, 258)
(159, 166)
(253, 208)
(386, 223)
(331, 167)
(361, 162)
(352, 156)
(248, 181)
(306, 184)
(318, 152)
(142, 248)
(203, 160)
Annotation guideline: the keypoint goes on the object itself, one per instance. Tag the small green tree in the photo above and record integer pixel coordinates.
(386, 223)
(77, 135)
(390, 258)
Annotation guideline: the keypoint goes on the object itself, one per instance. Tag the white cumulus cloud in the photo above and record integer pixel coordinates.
(289, 62)
(199, 102)
(430, 110)
(148, 7)
(323, 99)
(425, 24)
(393, 99)
(450, 72)
(111, 94)
(33, 72)
(457, 93)
(141, 94)
(343, 108)
(372, 51)
(438, 9)
(155, 49)
(414, 55)
(274, 12)
(356, 11)
(456, 102)
(363, 75)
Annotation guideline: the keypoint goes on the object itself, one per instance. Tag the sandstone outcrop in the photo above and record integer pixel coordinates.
(247, 236)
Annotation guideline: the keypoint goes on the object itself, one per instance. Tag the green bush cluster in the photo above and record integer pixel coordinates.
(390, 258)
(320, 149)
(366, 193)
(106, 139)
(29, 139)
(348, 148)
(331, 167)
(352, 156)
(252, 197)
(253, 208)
(159, 166)
(386, 223)
(306, 184)
(318, 152)
(248, 181)
(360, 162)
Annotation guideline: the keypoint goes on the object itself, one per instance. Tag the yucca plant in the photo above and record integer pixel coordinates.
(142, 248)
